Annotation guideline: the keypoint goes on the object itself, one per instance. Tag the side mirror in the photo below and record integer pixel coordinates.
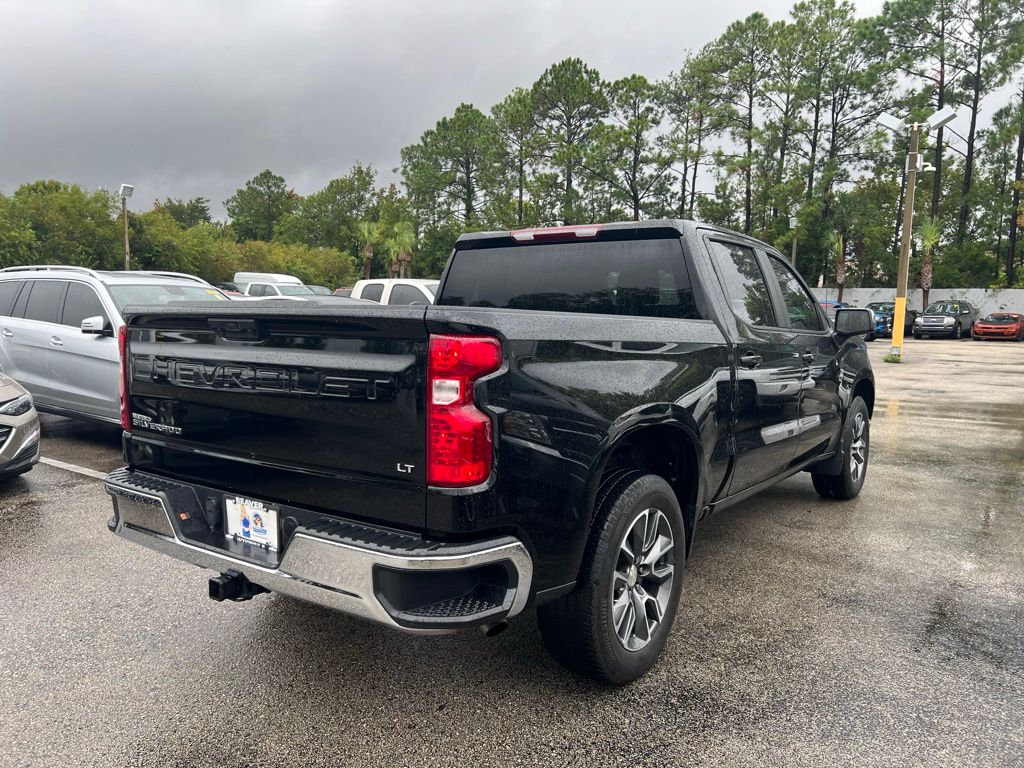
(854, 321)
(97, 326)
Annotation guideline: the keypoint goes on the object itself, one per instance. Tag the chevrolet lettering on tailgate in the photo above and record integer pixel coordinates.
(200, 375)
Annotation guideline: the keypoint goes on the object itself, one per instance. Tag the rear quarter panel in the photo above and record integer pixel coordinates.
(572, 386)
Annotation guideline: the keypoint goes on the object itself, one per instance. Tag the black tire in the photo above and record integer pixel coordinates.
(856, 453)
(957, 332)
(578, 628)
(917, 335)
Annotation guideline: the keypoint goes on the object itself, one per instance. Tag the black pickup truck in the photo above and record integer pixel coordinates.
(551, 432)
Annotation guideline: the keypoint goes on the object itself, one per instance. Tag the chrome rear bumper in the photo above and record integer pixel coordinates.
(375, 574)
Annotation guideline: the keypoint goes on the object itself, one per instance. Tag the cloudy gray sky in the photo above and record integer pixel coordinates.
(193, 97)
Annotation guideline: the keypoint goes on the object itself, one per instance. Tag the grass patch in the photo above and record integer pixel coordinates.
(891, 358)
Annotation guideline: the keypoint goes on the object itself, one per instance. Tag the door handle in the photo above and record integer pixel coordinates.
(8, 333)
(750, 360)
(56, 341)
(807, 357)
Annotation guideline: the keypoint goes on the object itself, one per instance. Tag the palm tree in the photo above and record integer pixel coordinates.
(400, 247)
(369, 232)
(930, 233)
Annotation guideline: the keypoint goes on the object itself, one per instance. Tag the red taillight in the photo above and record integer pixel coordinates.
(459, 442)
(556, 233)
(122, 385)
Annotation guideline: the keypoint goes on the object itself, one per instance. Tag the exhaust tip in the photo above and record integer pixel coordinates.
(493, 630)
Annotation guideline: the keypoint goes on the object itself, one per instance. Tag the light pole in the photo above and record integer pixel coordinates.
(914, 164)
(792, 226)
(126, 192)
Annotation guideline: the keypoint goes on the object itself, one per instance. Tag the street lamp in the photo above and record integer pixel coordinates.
(792, 226)
(914, 164)
(126, 192)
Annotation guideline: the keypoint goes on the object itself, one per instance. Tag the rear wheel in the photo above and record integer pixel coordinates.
(855, 446)
(613, 626)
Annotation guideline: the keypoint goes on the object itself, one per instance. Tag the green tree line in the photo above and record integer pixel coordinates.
(773, 119)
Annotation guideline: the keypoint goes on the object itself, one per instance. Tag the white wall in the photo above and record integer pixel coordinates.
(985, 299)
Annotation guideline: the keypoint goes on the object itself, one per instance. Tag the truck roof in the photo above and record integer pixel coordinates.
(684, 227)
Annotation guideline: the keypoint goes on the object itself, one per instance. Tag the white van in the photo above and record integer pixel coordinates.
(400, 291)
(269, 284)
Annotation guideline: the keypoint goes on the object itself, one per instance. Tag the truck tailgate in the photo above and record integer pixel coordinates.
(306, 404)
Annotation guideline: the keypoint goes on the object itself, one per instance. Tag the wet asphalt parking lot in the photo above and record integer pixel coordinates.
(884, 631)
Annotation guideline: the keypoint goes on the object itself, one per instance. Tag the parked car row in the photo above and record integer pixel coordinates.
(950, 318)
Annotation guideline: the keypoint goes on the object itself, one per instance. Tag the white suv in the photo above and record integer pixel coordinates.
(58, 328)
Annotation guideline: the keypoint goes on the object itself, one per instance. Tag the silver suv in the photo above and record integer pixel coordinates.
(58, 328)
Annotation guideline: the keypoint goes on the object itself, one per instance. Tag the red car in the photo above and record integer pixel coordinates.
(1008, 326)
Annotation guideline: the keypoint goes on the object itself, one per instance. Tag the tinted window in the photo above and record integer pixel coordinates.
(45, 300)
(257, 290)
(405, 295)
(613, 277)
(799, 304)
(8, 291)
(744, 285)
(81, 302)
(373, 291)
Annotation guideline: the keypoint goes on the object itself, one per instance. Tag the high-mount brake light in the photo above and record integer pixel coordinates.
(556, 233)
(460, 446)
(122, 384)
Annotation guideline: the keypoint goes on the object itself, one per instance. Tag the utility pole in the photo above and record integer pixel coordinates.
(914, 164)
(902, 276)
(792, 226)
(126, 192)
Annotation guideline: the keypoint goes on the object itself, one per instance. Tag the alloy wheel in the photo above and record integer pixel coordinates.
(642, 580)
(858, 448)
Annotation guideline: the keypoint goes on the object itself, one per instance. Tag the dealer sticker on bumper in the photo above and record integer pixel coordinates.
(250, 520)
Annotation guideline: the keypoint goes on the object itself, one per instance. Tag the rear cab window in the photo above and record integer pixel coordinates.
(631, 277)
(372, 291)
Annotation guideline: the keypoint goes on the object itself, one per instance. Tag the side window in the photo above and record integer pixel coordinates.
(272, 290)
(743, 282)
(81, 302)
(44, 302)
(256, 290)
(799, 304)
(372, 291)
(8, 292)
(404, 295)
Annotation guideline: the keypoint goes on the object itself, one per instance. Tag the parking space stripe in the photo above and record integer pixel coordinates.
(74, 468)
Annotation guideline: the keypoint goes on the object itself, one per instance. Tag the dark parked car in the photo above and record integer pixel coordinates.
(884, 311)
(230, 289)
(551, 432)
(945, 318)
(1003, 326)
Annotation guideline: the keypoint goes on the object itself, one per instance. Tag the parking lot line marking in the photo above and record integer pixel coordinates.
(74, 468)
